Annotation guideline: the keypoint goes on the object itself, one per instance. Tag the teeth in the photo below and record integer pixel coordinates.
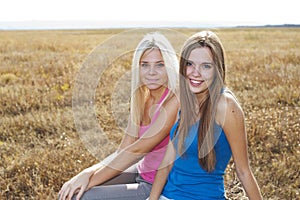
(195, 82)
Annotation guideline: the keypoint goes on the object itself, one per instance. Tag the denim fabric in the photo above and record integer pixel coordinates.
(127, 186)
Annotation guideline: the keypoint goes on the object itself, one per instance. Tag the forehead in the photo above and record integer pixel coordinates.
(153, 54)
(201, 54)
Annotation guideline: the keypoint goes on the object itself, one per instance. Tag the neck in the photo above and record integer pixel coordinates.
(156, 94)
(202, 96)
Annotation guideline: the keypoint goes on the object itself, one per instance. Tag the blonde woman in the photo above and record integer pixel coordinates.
(153, 112)
(210, 129)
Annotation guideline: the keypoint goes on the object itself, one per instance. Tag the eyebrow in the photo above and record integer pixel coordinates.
(201, 63)
(154, 62)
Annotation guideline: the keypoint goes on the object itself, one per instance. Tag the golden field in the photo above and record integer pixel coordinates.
(40, 147)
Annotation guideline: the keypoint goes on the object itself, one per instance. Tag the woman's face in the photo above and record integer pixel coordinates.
(200, 69)
(153, 72)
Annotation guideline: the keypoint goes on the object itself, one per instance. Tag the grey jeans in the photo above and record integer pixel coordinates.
(129, 185)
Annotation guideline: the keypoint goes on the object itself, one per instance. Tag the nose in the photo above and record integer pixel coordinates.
(196, 71)
(152, 70)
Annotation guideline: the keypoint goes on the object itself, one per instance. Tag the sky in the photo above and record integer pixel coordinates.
(63, 13)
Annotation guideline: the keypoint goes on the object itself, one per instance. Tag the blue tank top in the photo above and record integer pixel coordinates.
(187, 179)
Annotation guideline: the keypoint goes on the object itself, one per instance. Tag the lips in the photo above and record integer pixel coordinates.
(196, 83)
(152, 80)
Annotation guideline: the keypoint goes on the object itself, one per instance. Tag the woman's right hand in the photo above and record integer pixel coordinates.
(77, 184)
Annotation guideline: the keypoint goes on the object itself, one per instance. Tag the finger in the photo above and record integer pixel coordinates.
(62, 191)
(70, 195)
(65, 194)
(80, 193)
(77, 190)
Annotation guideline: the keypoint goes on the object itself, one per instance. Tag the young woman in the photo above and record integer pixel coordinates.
(153, 112)
(210, 129)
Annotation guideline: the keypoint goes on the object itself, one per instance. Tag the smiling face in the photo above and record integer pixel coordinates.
(200, 69)
(153, 72)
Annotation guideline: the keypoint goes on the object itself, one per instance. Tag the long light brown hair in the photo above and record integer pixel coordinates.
(191, 109)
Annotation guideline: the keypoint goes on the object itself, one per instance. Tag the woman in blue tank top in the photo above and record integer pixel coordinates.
(210, 129)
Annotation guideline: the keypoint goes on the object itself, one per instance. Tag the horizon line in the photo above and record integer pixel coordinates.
(98, 24)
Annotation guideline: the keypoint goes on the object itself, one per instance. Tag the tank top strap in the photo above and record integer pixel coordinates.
(163, 96)
(223, 90)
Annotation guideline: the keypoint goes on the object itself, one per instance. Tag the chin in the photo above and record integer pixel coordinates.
(196, 90)
(153, 87)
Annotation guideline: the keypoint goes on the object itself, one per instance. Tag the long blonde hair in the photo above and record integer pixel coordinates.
(139, 93)
(191, 109)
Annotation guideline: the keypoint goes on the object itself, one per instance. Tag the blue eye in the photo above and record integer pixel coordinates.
(144, 65)
(206, 66)
(160, 65)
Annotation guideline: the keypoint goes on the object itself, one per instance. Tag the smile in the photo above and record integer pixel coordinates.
(152, 80)
(195, 83)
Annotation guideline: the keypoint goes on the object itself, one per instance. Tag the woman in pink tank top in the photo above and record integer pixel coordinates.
(131, 170)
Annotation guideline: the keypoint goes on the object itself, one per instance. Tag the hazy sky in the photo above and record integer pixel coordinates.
(233, 12)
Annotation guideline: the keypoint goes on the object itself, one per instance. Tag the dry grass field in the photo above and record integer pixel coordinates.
(40, 147)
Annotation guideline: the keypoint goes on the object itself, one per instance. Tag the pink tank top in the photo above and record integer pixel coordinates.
(148, 166)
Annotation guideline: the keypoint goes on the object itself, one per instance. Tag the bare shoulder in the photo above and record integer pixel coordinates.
(172, 102)
(228, 108)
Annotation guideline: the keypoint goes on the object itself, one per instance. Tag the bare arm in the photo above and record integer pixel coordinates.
(80, 182)
(134, 152)
(234, 127)
(163, 172)
(126, 141)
